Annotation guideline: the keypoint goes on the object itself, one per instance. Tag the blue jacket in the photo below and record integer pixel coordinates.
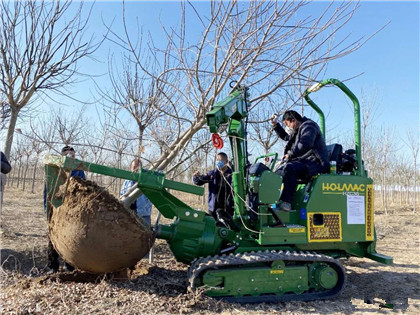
(78, 173)
(217, 199)
(142, 205)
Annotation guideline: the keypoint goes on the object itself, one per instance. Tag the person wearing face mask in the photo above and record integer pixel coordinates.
(70, 153)
(305, 153)
(220, 198)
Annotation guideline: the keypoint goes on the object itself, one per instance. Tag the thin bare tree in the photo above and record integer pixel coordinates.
(134, 93)
(260, 44)
(41, 43)
(70, 128)
(413, 142)
(4, 112)
(262, 130)
(38, 147)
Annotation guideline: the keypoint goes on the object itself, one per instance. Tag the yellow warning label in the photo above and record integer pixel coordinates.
(297, 230)
(276, 272)
(369, 213)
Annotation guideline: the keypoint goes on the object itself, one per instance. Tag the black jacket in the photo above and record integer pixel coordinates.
(5, 166)
(306, 145)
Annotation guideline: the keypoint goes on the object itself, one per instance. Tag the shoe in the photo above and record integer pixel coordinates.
(52, 266)
(285, 206)
(51, 270)
(67, 267)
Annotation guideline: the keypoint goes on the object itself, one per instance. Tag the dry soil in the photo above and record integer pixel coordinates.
(161, 287)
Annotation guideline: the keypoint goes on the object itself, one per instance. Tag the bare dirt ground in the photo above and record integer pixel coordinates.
(161, 287)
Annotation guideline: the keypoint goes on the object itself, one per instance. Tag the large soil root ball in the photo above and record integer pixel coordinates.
(93, 232)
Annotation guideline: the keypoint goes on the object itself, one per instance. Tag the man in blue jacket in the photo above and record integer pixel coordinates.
(305, 153)
(69, 152)
(220, 198)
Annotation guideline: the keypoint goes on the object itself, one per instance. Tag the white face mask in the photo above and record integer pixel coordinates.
(289, 130)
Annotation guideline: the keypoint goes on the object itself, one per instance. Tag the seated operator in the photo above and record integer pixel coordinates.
(220, 199)
(305, 153)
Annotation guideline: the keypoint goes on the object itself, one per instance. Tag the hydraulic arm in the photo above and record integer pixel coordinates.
(233, 111)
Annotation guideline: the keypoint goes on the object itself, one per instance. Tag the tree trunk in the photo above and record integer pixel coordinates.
(140, 143)
(184, 139)
(33, 176)
(11, 131)
(19, 172)
(384, 192)
(12, 177)
(24, 175)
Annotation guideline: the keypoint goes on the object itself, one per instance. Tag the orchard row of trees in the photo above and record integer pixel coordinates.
(157, 95)
(386, 160)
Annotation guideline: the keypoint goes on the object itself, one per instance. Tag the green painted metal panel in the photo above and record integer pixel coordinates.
(384, 259)
(232, 106)
(290, 234)
(256, 281)
(269, 187)
(336, 193)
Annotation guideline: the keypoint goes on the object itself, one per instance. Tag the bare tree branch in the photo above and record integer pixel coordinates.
(39, 51)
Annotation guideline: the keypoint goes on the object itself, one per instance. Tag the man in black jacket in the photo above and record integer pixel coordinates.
(305, 153)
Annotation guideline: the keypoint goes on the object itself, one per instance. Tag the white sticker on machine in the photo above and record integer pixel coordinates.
(355, 209)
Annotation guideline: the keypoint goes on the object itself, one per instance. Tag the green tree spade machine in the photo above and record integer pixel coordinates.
(261, 254)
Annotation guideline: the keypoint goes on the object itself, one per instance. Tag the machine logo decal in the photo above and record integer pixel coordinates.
(343, 188)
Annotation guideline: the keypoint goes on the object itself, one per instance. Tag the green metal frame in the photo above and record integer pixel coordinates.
(357, 129)
(273, 163)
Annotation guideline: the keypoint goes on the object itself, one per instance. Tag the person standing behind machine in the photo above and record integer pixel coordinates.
(305, 154)
(52, 255)
(142, 206)
(220, 198)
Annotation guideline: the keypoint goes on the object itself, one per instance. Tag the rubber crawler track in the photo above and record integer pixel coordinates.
(200, 265)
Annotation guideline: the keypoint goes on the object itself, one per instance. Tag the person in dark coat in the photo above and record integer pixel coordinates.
(305, 153)
(5, 165)
(220, 198)
(5, 168)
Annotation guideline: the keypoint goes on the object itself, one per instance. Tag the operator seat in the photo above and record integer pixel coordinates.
(335, 151)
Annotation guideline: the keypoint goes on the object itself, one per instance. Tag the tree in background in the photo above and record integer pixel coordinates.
(260, 44)
(413, 143)
(39, 51)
